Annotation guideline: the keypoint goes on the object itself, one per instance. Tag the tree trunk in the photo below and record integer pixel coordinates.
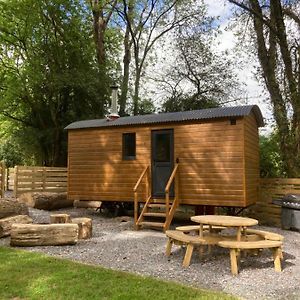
(99, 27)
(9, 207)
(84, 227)
(126, 59)
(6, 223)
(45, 200)
(136, 96)
(289, 135)
(43, 234)
(125, 81)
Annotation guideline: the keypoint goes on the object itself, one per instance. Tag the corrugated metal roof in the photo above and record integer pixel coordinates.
(193, 115)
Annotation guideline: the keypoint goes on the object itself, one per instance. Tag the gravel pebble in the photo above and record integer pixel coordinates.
(116, 245)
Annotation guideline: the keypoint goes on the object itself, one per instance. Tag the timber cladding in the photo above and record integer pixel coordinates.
(213, 158)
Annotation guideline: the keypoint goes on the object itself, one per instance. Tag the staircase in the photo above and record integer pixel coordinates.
(156, 213)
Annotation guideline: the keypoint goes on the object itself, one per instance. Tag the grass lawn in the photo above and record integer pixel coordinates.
(26, 275)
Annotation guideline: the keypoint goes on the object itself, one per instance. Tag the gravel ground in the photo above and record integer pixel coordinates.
(116, 245)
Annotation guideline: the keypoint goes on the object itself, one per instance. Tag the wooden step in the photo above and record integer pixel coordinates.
(157, 205)
(160, 200)
(155, 214)
(152, 224)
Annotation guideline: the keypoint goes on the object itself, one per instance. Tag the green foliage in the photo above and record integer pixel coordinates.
(26, 275)
(271, 164)
(185, 102)
(49, 75)
(11, 154)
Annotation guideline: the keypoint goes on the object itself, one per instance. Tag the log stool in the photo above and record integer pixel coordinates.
(85, 227)
(60, 218)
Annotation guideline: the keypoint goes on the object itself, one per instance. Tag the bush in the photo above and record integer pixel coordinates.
(270, 158)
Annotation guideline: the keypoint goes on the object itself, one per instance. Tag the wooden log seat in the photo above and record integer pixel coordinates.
(45, 200)
(60, 218)
(10, 207)
(175, 236)
(84, 227)
(196, 228)
(266, 235)
(43, 234)
(6, 223)
(235, 246)
(87, 204)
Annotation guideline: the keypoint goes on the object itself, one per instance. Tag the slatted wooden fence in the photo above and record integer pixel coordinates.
(9, 179)
(39, 179)
(2, 179)
(272, 188)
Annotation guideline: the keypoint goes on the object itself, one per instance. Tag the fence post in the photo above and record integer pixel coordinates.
(16, 182)
(2, 182)
(44, 179)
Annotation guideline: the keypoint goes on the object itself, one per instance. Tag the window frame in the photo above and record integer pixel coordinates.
(124, 144)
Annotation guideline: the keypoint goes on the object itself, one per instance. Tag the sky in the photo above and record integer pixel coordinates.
(255, 93)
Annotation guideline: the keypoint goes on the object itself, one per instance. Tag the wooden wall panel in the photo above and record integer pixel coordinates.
(251, 139)
(211, 156)
(96, 168)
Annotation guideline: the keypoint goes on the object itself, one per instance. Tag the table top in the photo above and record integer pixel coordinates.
(228, 221)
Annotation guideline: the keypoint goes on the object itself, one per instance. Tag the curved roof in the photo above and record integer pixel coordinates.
(193, 115)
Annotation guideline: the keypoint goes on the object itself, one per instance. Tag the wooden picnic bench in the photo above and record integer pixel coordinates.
(180, 238)
(266, 235)
(196, 228)
(235, 246)
(175, 236)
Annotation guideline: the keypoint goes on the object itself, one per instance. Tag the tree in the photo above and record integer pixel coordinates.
(197, 76)
(102, 12)
(148, 21)
(48, 73)
(278, 52)
(271, 164)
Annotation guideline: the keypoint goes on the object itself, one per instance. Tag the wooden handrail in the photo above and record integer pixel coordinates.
(168, 186)
(140, 179)
(136, 202)
(170, 213)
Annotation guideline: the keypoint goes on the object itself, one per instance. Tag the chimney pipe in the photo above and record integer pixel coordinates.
(114, 101)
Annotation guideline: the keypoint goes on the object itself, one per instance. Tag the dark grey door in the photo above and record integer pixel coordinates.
(162, 161)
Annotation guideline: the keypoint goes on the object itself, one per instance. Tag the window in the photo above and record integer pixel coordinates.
(128, 146)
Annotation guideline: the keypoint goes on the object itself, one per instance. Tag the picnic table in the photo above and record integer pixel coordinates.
(240, 223)
(210, 227)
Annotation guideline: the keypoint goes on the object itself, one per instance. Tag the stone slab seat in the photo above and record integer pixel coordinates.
(265, 234)
(235, 246)
(184, 239)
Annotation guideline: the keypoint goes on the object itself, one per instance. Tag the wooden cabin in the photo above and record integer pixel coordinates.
(201, 157)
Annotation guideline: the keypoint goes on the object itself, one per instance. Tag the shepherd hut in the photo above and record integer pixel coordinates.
(200, 157)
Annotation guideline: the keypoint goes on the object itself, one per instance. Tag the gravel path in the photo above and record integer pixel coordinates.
(117, 246)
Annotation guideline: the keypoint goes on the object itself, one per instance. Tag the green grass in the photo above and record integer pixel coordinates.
(26, 275)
